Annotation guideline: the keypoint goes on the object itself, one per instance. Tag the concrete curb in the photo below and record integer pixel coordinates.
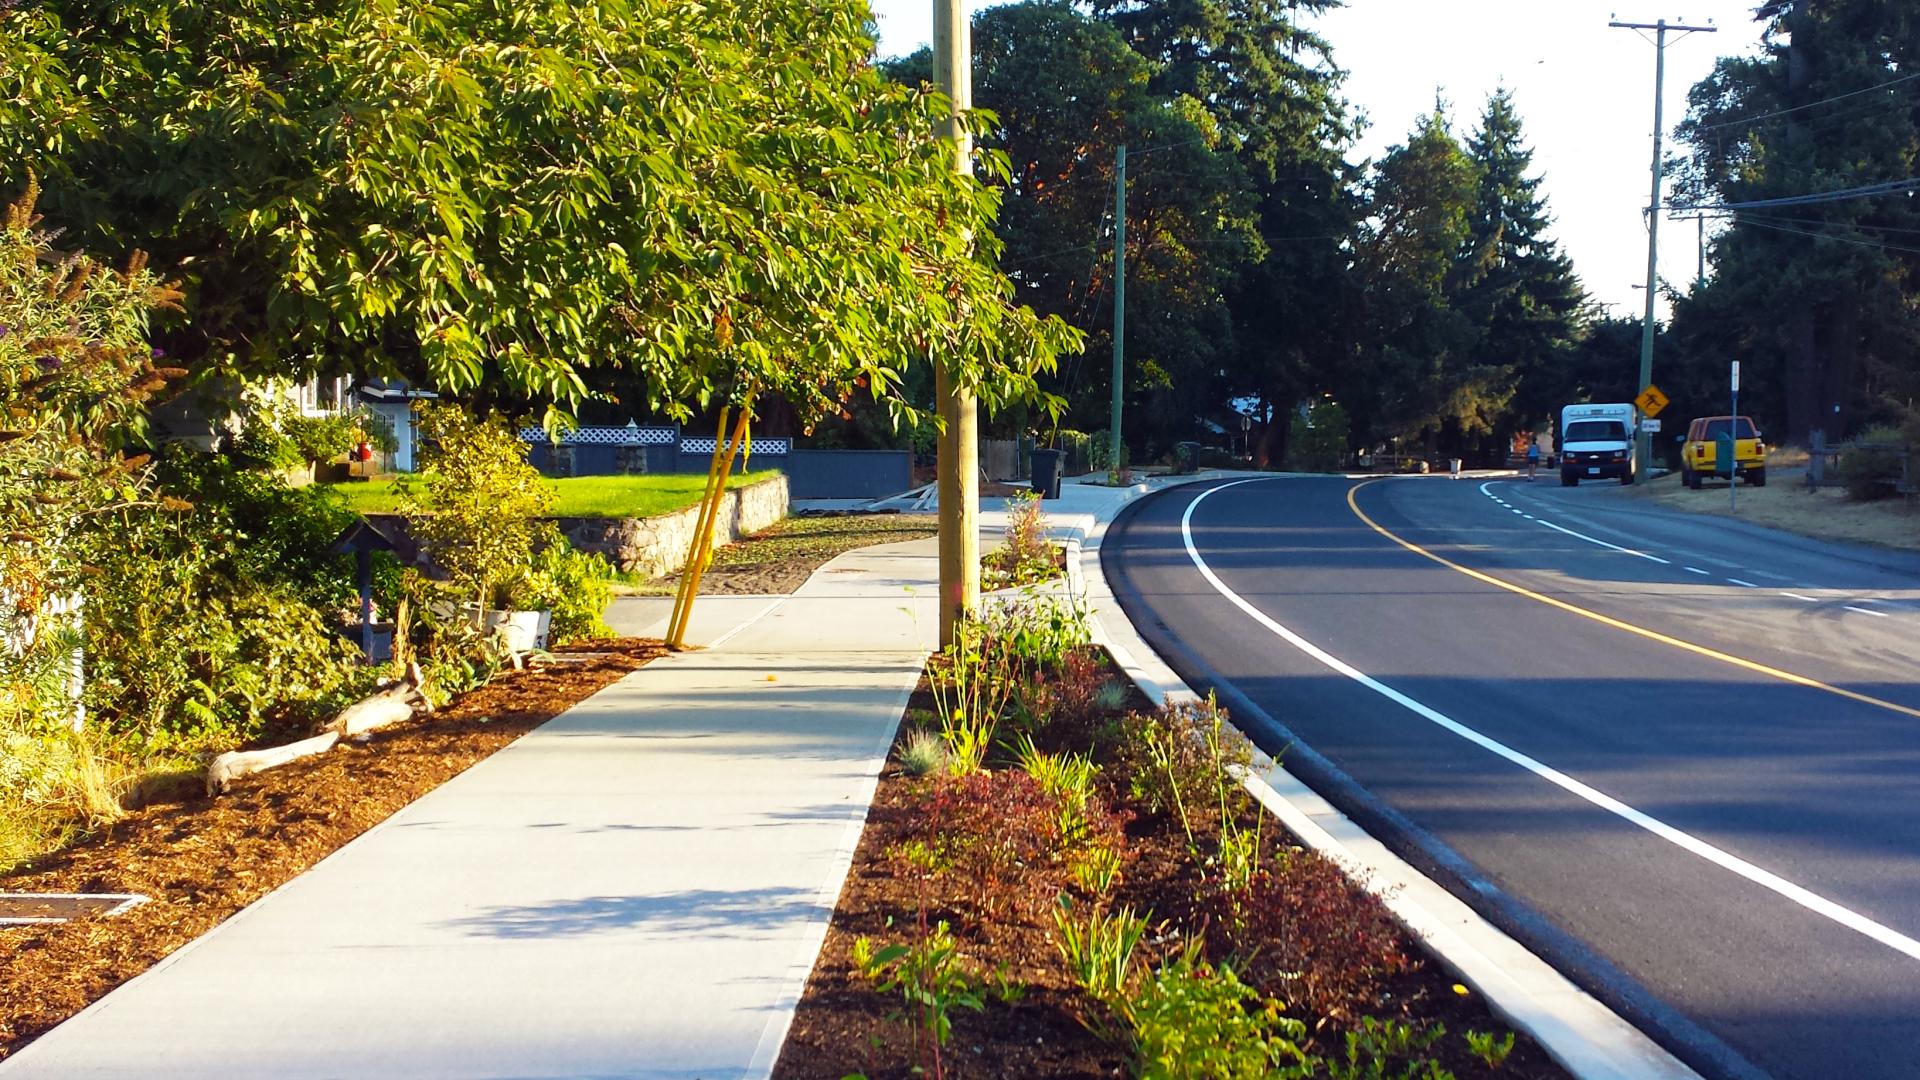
(1590, 1040)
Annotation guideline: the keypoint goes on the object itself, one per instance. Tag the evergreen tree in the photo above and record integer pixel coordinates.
(1816, 299)
(1418, 373)
(1523, 296)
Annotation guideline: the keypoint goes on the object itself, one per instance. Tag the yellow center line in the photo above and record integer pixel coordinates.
(1651, 635)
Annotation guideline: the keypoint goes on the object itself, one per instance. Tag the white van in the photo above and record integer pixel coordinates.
(1596, 443)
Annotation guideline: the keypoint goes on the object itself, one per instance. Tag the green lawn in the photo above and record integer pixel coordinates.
(576, 496)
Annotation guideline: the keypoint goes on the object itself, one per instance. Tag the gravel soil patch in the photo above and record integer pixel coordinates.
(1788, 505)
(201, 860)
(844, 1026)
(779, 559)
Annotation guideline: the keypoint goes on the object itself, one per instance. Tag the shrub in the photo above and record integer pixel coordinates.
(1301, 929)
(1178, 763)
(477, 514)
(1191, 1020)
(1040, 630)
(576, 586)
(76, 373)
(1073, 704)
(1024, 557)
(971, 681)
(181, 652)
(998, 836)
(258, 527)
(1872, 474)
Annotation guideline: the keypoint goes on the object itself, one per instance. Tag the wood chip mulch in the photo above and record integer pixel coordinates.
(201, 860)
(844, 1026)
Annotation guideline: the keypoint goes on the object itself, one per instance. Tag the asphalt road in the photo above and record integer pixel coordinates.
(1680, 758)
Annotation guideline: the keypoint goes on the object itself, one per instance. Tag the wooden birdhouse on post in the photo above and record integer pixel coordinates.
(361, 540)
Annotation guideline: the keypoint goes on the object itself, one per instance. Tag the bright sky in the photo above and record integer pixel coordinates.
(1584, 92)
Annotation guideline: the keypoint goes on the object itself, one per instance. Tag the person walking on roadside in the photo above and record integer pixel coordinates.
(1533, 460)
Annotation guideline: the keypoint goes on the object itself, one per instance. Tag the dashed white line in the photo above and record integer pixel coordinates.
(1797, 596)
(1766, 879)
(1696, 570)
(1743, 584)
(1604, 544)
(1868, 611)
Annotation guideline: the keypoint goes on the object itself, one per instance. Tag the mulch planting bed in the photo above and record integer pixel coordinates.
(201, 860)
(845, 1026)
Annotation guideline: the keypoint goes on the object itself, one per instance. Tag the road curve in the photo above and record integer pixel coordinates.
(1676, 758)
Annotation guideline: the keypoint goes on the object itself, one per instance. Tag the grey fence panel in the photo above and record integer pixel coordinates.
(848, 474)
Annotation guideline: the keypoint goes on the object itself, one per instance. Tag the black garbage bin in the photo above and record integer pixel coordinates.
(1046, 473)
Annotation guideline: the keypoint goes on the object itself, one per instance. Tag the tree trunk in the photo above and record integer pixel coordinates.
(1803, 399)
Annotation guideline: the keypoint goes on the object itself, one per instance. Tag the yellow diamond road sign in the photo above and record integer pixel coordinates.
(1651, 401)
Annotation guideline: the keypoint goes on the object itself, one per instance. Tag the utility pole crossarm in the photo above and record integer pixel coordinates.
(1664, 25)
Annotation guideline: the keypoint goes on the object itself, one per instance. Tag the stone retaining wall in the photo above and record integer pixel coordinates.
(658, 545)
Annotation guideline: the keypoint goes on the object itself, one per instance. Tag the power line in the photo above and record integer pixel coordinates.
(1863, 226)
(1830, 236)
(1865, 191)
(1808, 105)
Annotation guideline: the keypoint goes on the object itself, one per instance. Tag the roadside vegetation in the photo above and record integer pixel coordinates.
(1059, 880)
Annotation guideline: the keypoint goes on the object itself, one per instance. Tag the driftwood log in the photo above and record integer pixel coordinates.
(387, 706)
(235, 764)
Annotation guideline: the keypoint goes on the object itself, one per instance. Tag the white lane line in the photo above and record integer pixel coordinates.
(1797, 596)
(1868, 611)
(1743, 584)
(1770, 576)
(1766, 879)
(1696, 570)
(1604, 544)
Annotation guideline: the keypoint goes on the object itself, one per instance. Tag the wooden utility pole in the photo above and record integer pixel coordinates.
(1643, 449)
(958, 462)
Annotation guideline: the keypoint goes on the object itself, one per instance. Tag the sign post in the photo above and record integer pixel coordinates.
(1733, 441)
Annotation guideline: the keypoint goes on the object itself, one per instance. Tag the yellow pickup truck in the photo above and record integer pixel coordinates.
(1700, 456)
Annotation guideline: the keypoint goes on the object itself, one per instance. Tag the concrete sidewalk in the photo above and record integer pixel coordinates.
(637, 889)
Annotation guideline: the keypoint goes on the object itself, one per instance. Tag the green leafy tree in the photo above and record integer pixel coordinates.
(527, 198)
(1271, 86)
(1066, 92)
